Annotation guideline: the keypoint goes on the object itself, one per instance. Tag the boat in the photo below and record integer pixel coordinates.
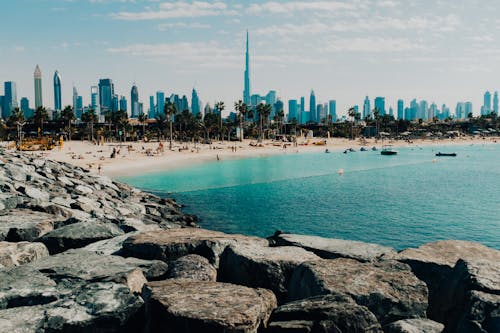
(387, 150)
(327, 151)
(446, 154)
(351, 150)
(374, 148)
(362, 149)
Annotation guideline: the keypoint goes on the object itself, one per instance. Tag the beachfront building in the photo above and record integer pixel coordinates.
(134, 102)
(38, 87)
(57, 91)
(380, 105)
(366, 108)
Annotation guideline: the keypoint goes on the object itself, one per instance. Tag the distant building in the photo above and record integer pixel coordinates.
(293, 110)
(57, 91)
(152, 107)
(195, 102)
(495, 102)
(332, 108)
(9, 99)
(25, 108)
(94, 99)
(134, 102)
(312, 107)
(391, 112)
(79, 107)
(401, 114)
(246, 92)
(123, 103)
(380, 105)
(38, 87)
(486, 108)
(302, 115)
(160, 102)
(468, 109)
(106, 94)
(366, 108)
(278, 106)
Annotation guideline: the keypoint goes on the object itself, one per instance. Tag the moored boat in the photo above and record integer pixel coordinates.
(387, 150)
(446, 154)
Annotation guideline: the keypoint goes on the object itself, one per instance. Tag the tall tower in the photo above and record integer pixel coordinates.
(312, 107)
(366, 108)
(495, 102)
(134, 101)
(38, 87)
(57, 91)
(246, 92)
(195, 102)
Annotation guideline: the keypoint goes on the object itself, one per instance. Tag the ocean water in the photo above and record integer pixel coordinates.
(400, 201)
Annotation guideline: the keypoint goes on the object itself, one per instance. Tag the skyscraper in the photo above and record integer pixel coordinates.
(106, 94)
(332, 106)
(293, 110)
(486, 109)
(9, 99)
(401, 109)
(134, 101)
(160, 102)
(366, 108)
(152, 107)
(94, 98)
(246, 91)
(495, 103)
(195, 102)
(57, 91)
(75, 97)
(312, 107)
(123, 103)
(380, 105)
(468, 109)
(38, 87)
(25, 107)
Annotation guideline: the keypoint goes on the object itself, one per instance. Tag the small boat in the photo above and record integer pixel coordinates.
(374, 148)
(387, 150)
(362, 149)
(327, 151)
(351, 150)
(446, 154)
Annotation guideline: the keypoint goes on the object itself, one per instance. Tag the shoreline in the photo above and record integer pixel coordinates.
(133, 158)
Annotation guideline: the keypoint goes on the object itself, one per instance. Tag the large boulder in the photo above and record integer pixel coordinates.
(24, 225)
(168, 245)
(330, 248)
(414, 326)
(389, 289)
(78, 235)
(322, 314)
(186, 306)
(15, 254)
(434, 264)
(262, 266)
(192, 267)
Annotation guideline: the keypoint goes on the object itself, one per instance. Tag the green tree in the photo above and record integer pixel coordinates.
(170, 110)
(41, 115)
(220, 107)
(67, 116)
(242, 110)
(90, 118)
(142, 119)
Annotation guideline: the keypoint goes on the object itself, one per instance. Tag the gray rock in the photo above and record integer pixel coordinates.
(192, 267)
(200, 306)
(23, 225)
(36, 193)
(9, 201)
(15, 254)
(414, 326)
(168, 245)
(78, 235)
(83, 189)
(330, 248)
(388, 289)
(261, 266)
(328, 313)
(109, 246)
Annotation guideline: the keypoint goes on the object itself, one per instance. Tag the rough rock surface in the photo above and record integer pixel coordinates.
(330, 248)
(78, 235)
(186, 306)
(168, 245)
(389, 289)
(15, 254)
(327, 313)
(261, 266)
(23, 225)
(192, 267)
(414, 326)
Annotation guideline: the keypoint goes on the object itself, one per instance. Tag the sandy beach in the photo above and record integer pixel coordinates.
(132, 158)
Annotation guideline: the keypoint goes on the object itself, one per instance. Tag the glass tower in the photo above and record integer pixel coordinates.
(57, 91)
(38, 87)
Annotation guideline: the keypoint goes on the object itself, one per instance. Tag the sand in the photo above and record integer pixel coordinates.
(134, 158)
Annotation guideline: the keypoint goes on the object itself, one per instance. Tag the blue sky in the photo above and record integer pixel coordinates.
(442, 51)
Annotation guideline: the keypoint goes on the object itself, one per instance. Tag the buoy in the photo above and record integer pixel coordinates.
(434, 161)
(341, 172)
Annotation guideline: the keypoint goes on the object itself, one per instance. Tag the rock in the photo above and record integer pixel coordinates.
(414, 326)
(330, 248)
(9, 200)
(192, 267)
(15, 254)
(434, 262)
(262, 266)
(81, 189)
(482, 314)
(78, 235)
(388, 289)
(168, 245)
(109, 246)
(36, 193)
(23, 225)
(200, 306)
(327, 313)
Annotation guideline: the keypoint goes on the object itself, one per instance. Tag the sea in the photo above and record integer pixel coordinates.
(400, 201)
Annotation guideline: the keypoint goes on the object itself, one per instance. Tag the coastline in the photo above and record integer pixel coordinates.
(134, 158)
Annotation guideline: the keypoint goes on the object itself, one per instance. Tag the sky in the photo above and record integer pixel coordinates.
(441, 51)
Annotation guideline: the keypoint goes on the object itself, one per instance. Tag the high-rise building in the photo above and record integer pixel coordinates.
(246, 91)
(25, 108)
(106, 94)
(94, 98)
(486, 109)
(380, 105)
(134, 102)
(123, 103)
(391, 111)
(57, 91)
(75, 97)
(293, 110)
(278, 106)
(9, 99)
(401, 109)
(460, 110)
(195, 102)
(184, 104)
(468, 109)
(38, 87)
(79, 107)
(422, 110)
(366, 108)
(312, 107)
(152, 107)
(495, 103)
(160, 102)
(332, 109)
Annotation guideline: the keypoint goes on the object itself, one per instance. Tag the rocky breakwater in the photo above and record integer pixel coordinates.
(81, 253)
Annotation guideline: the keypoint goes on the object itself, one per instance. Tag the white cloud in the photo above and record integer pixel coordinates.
(372, 45)
(273, 7)
(182, 25)
(178, 9)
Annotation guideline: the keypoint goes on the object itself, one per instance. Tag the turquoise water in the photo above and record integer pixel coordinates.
(400, 201)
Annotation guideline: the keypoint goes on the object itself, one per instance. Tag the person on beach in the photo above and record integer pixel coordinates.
(99, 169)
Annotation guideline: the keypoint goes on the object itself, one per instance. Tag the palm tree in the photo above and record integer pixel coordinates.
(242, 110)
(376, 116)
(142, 119)
(41, 115)
(17, 119)
(220, 107)
(161, 122)
(121, 119)
(170, 110)
(278, 117)
(90, 118)
(67, 116)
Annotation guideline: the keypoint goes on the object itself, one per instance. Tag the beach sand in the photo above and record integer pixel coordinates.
(132, 158)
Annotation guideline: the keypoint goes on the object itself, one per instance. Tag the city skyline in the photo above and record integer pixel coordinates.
(174, 46)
